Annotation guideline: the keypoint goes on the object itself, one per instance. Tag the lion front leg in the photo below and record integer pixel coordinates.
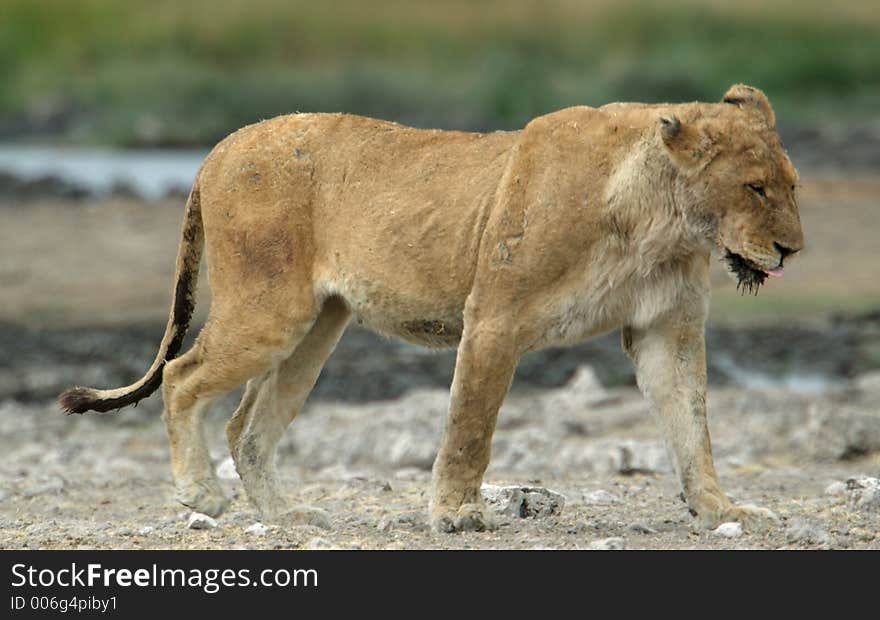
(670, 362)
(483, 371)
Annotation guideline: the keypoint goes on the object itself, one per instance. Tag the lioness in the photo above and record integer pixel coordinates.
(584, 221)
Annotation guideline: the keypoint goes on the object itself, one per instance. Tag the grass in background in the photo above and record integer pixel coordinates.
(170, 72)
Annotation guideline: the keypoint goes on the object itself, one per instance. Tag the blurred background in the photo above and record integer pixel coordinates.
(108, 107)
(168, 73)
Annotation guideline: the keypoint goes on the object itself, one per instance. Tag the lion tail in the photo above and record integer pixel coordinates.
(189, 256)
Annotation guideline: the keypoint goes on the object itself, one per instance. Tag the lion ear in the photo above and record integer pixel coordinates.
(749, 97)
(687, 144)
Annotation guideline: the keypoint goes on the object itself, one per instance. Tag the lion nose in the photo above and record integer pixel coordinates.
(784, 251)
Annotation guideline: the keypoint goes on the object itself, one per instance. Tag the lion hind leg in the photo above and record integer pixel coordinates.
(270, 404)
(226, 354)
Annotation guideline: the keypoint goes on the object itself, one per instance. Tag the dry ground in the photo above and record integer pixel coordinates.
(104, 482)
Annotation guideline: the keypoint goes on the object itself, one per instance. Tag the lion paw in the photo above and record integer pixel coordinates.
(204, 497)
(468, 518)
(712, 508)
(752, 518)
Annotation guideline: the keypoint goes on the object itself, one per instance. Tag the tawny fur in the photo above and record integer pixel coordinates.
(584, 221)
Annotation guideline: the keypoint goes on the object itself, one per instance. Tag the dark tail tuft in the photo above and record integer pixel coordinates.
(80, 399)
(77, 400)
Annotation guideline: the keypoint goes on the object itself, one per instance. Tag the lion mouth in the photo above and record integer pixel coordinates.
(749, 275)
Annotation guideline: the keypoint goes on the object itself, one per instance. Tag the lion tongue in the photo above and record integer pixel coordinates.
(774, 273)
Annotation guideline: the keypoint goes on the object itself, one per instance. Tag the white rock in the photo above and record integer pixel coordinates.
(199, 521)
(863, 493)
(541, 502)
(524, 502)
(226, 470)
(257, 529)
(503, 500)
(615, 543)
(729, 530)
(146, 530)
(600, 497)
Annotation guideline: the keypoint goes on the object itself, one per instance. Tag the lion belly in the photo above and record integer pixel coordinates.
(416, 313)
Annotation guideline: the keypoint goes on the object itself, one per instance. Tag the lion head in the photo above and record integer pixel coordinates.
(739, 181)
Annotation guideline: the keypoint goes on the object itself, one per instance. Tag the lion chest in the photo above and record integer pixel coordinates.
(605, 299)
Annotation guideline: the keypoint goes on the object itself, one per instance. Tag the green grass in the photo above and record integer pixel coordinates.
(164, 72)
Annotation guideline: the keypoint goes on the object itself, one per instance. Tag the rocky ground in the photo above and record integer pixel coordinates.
(587, 463)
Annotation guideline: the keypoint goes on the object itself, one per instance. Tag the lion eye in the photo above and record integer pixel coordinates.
(758, 189)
